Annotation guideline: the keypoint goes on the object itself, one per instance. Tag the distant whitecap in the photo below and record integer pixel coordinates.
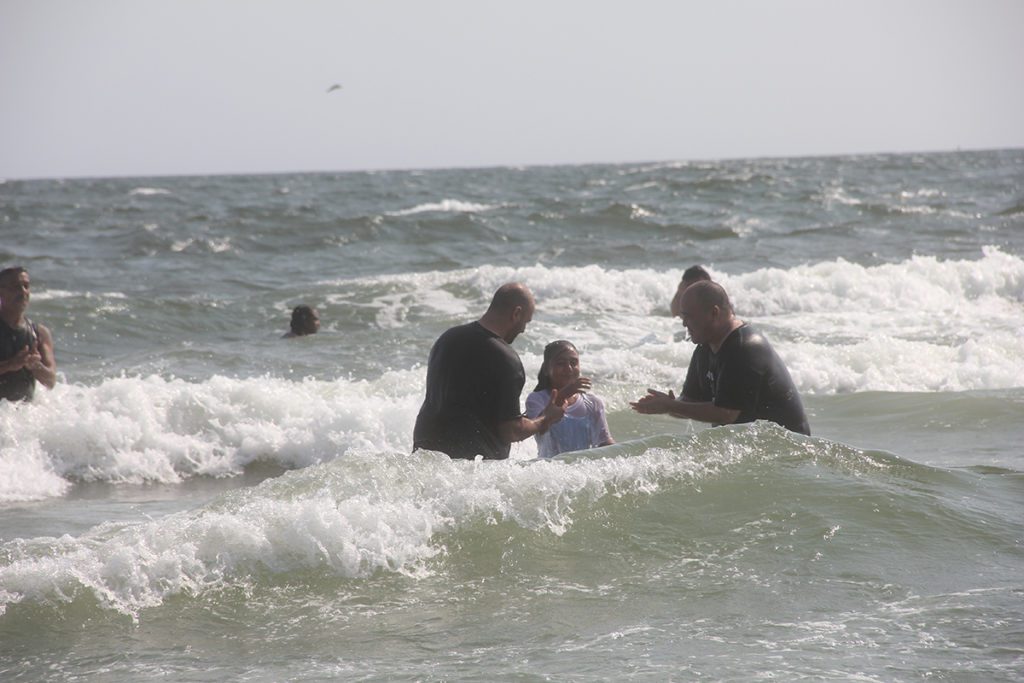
(445, 205)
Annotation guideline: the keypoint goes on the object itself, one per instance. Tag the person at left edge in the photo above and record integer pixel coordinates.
(26, 348)
(474, 381)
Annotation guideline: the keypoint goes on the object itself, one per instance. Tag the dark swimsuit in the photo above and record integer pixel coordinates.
(746, 375)
(19, 385)
(474, 380)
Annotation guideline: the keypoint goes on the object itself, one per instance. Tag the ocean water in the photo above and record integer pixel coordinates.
(201, 500)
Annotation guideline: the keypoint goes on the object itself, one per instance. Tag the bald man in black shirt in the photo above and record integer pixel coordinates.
(735, 376)
(474, 381)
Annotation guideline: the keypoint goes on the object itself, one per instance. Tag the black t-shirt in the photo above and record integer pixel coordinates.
(746, 375)
(474, 381)
(19, 385)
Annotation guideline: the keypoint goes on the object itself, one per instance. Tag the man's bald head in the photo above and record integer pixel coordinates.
(706, 294)
(509, 296)
(510, 311)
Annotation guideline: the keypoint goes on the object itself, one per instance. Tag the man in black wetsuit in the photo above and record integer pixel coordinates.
(474, 381)
(26, 348)
(735, 375)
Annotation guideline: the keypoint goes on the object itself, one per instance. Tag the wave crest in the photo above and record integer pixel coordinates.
(393, 513)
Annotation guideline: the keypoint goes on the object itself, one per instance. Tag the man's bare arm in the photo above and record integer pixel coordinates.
(522, 428)
(43, 364)
(660, 403)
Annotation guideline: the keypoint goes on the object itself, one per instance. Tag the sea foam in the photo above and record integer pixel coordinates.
(370, 513)
(134, 430)
(922, 325)
(392, 513)
(443, 206)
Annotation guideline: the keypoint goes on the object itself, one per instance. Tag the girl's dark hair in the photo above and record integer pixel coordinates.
(11, 272)
(550, 351)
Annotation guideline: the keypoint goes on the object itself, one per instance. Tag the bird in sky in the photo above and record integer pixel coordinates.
(334, 87)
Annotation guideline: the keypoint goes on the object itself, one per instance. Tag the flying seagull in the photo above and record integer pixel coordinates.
(334, 87)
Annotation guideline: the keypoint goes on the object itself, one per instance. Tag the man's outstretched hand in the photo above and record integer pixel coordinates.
(655, 402)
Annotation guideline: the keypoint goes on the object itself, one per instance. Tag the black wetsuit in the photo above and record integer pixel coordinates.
(474, 381)
(19, 385)
(746, 375)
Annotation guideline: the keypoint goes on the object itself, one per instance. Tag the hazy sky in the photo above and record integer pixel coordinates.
(140, 87)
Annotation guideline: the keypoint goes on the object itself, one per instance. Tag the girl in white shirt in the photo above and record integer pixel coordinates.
(584, 425)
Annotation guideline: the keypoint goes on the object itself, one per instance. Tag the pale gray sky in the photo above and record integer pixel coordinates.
(145, 87)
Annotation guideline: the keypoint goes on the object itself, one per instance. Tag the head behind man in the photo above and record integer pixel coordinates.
(691, 275)
(695, 274)
(511, 310)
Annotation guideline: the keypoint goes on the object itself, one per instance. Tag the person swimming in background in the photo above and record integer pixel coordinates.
(584, 424)
(305, 320)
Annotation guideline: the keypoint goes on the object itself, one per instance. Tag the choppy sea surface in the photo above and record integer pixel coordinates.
(199, 499)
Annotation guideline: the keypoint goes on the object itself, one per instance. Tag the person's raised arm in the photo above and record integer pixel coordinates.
(580, 385)
(660, 403)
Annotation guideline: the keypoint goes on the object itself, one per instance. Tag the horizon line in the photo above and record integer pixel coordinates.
(420, 169)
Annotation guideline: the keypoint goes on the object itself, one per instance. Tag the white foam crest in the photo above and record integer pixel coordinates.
(884, 363)
(218, 246)
(130, 568)
(922, 324)
(923, 192)
(26, 472)
(585, 289)
(135, 430)
(661, 166)
(559, 290)
(837, 195)
(922, 282)
(562, 294)
(53, 294)
(444, 206)
(743, 227)
(873, 363)
(371, 512)
(214, 245)
(149, 191)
